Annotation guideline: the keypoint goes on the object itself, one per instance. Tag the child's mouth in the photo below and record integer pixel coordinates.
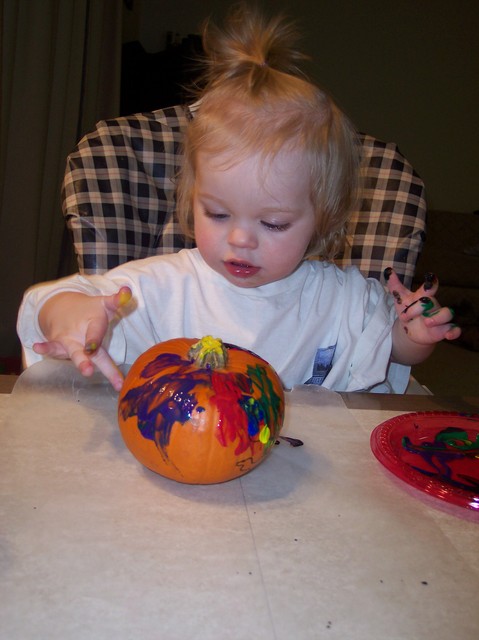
(241, 269)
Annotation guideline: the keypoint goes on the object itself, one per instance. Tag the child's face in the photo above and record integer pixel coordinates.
(253, 223)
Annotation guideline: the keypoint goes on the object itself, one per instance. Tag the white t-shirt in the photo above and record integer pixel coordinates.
(320, 325)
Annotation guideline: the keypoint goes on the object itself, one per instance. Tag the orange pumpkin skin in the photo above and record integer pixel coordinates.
(200, 424)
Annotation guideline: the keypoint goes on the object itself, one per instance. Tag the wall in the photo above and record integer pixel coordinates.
(406, 71)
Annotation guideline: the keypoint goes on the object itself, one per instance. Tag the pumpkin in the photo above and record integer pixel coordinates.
(200, 411)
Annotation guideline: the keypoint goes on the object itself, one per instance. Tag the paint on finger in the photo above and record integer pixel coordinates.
(91, 348)
(430, 280)
(124, 297)
(397, 297)
(426, 304)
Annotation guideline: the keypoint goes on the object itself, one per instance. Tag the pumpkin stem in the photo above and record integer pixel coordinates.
(208, 353)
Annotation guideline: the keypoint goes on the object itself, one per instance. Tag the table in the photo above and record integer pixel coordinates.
(318, 542)
(7, 382)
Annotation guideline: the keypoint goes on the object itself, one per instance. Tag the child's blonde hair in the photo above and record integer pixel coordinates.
(256, 100)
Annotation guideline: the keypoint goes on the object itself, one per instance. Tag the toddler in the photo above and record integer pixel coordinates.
(269, 177)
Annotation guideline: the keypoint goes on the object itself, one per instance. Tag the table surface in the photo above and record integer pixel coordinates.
(376, 401)
(318, 541)
(7, 382)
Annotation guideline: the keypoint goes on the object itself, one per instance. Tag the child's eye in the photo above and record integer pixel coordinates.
(276, 227)
(216, 216)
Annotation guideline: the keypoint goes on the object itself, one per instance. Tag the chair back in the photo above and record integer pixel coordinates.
(389, 226)
(118, 193)
(119, 198)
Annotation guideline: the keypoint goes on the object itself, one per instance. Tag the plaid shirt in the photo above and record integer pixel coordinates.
(119, 198)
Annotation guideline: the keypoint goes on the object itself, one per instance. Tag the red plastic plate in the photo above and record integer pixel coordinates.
(436, 452)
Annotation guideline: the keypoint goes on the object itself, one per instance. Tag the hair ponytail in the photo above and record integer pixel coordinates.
(250, 47)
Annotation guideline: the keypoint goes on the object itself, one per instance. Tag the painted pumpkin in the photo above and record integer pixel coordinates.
(202, 411)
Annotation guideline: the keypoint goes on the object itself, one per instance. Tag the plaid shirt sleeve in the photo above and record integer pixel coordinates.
(389, 227)
(118, 191)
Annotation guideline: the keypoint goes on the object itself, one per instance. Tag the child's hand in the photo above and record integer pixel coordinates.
(420, 317)
(75, 325)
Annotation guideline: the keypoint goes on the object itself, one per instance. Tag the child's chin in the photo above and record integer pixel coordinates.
(244, 283)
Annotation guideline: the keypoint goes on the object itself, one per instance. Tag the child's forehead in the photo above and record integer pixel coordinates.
(285, 176)
(257, 158)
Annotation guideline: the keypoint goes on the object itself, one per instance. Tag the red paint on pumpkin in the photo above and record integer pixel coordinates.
(198, 424)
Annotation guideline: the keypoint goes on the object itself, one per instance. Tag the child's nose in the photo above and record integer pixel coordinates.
(242, 237)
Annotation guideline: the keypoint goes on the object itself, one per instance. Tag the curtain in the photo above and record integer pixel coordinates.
(60, 73)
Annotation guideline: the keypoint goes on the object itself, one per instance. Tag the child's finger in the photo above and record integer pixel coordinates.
(80, 360)
(453, 333)
(446, 331)
(395, 286)
(97, 327)
(72, 351)
(423, 306)
(94, 336)
(118, 299)
(430, 285)
(109, 369)
(442, 315)
(51, 349)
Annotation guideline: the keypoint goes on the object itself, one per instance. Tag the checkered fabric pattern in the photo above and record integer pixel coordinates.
(118, 193)
(389, 228)
(119, 198)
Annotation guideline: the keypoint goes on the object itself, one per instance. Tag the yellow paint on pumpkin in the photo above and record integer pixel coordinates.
(265, 434)
(201, 446)
(210, 352)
